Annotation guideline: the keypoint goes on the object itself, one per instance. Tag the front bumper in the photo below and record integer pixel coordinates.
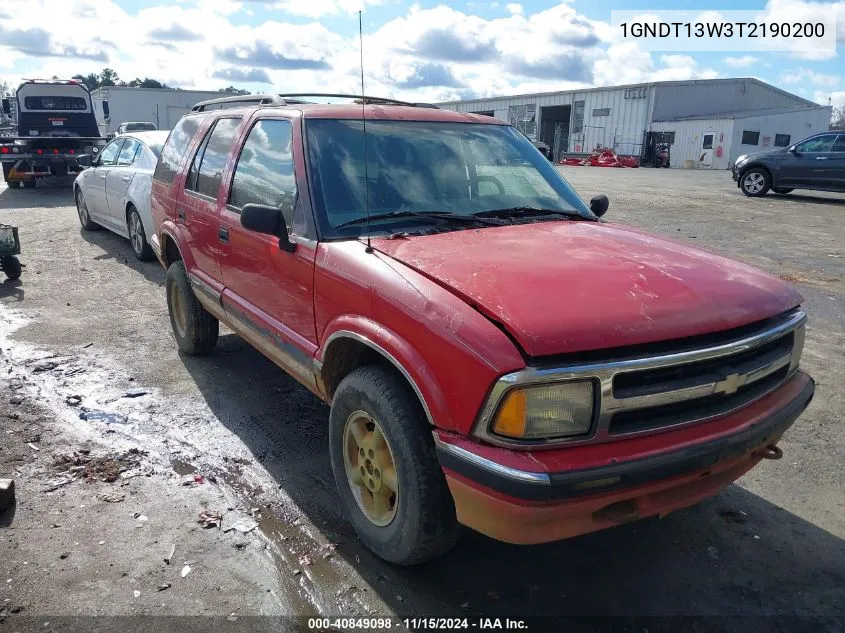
(519, 505)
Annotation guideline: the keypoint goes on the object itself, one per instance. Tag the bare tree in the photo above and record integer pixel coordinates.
(837, 121)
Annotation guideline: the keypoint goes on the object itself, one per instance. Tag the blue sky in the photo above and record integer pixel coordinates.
(423, 50)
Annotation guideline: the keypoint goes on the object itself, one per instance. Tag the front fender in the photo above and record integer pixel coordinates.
(395, 350)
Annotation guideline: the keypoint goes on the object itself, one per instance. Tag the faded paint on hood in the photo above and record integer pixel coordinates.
(571, 286)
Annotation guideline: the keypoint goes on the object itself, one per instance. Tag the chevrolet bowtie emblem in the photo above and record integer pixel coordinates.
(729, 384)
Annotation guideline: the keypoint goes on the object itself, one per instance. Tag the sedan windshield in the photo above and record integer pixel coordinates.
(415, 170)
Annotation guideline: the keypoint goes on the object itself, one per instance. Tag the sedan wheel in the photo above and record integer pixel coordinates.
(755, 182)
(137, 237)
(84, 217)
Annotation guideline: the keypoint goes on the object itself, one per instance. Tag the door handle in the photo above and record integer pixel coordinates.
(126, 178)
(180, 214)
(223, 234)
(821, 157)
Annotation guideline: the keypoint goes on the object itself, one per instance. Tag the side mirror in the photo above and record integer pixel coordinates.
(599, 205)
(793, 150)
(263, 218)
(7, 106)
(85, 160)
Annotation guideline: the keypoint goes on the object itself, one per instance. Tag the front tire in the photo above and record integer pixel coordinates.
(137, 238)
(28, 184)
(196, 330)
(11, 266)
(82, 211)
(388, 476)
(782, 190)
(755, 182)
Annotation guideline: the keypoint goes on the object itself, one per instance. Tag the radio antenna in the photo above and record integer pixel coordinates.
(364, 124)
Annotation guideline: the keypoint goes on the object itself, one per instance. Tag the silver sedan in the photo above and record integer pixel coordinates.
(114, 192)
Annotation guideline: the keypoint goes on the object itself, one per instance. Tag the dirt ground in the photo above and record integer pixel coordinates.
(87, 325)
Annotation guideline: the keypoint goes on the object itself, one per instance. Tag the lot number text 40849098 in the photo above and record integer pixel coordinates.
(431, 624)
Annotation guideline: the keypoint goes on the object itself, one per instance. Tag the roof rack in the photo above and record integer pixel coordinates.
(243, 100)
(358, 98)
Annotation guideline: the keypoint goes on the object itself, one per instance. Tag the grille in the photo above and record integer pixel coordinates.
(760, 370)
(696, 409)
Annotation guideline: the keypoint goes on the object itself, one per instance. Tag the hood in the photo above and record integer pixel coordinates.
(769, 152)
(562, 287)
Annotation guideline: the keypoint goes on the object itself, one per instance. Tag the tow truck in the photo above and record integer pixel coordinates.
(55, 125)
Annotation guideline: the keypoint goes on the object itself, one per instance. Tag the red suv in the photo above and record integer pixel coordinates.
(494, 354)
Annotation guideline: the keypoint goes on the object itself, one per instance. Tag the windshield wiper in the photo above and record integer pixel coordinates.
(429, 215)
(510, 212)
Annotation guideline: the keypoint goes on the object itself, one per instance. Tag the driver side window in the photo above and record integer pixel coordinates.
(109, 154)
(818, 144)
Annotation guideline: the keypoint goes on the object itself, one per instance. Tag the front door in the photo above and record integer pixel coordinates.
(808, 163)
(118, 180)
(837, 164)
(708, 141)
(269, 292)
(198, 200)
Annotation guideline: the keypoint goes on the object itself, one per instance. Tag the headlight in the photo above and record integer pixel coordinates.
(741, 158)
(545, 411)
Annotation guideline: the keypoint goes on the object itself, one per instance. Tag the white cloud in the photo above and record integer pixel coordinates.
(320, 8)
(741, 62)
(799, 11)
(514, 8)
(817, 79)
(837, 97)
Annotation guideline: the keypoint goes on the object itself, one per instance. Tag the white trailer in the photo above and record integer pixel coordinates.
(163, 107)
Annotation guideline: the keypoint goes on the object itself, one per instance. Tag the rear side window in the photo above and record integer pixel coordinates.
(128, 151)
(174, 149)
(839, 145)
(109, 154)
(264, 174)
(207, 169)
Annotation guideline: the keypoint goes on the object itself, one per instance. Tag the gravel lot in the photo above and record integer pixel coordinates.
(770, 546)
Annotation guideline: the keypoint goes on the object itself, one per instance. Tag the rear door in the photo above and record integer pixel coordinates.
(198, 200)
(837, 164)
(118, 181)
(95, 184)
(166, 177)
(270, 291)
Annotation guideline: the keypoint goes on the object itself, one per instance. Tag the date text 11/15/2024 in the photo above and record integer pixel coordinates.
(432, 624)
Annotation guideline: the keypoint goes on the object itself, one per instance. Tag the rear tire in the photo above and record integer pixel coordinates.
(755, 182)
(196, 330)
(82, 211)
(782, 190)
(137, 238)
(416, 520)
(28, 184)
(11, 266)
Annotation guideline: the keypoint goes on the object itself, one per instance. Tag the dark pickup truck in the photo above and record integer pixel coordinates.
(55, 125)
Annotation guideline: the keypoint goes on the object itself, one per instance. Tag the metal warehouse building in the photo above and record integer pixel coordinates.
(708, 122)
(164, 107)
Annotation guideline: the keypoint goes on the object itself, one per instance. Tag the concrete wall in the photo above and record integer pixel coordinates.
(162, 107)
(689, 137)
(712, 97)
(799, 125)
(689, 134)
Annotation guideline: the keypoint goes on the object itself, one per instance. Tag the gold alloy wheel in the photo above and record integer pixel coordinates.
(370, 469)
(177, 304)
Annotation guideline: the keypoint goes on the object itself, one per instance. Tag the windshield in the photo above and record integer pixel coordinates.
(412, 166)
